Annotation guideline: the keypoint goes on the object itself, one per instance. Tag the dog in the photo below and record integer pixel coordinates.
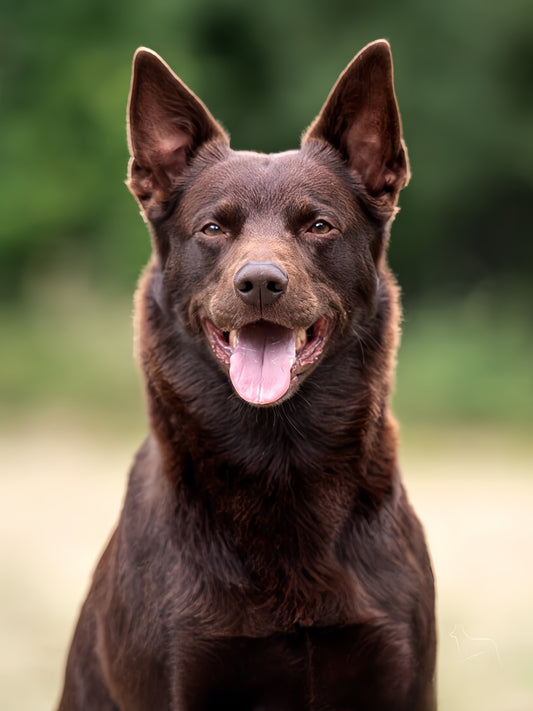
(266, 557)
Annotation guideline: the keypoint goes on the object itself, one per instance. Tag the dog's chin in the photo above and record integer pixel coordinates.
(267, 362)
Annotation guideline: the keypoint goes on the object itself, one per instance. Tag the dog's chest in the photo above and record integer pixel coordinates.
(337, 669)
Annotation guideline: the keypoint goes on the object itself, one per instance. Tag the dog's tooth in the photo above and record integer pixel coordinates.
(233, 338)
(301, 338)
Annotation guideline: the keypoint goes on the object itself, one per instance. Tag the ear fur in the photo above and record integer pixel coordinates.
(360, 118)
(167, 124)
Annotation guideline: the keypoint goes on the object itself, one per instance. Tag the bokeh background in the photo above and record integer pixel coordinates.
(72, 246)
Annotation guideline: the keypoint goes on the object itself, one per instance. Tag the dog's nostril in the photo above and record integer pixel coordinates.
(274, 286)
(260, 283)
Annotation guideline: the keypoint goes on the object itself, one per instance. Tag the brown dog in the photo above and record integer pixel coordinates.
(266, 558)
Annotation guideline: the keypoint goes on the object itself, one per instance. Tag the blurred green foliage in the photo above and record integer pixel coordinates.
(464, 81)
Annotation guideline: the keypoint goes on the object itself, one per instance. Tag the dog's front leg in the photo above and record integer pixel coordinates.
(85, 688)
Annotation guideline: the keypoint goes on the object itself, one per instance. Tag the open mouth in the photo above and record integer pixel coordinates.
(265, 358)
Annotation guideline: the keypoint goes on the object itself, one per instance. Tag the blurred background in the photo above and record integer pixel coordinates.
(72, 246)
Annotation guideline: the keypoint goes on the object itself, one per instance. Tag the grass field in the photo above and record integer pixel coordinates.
(61, 493)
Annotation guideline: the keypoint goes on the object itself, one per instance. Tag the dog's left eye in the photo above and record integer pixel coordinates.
(320, 227)
(211, 230)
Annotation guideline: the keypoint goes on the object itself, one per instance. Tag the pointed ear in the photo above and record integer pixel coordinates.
(167, 124)
(361, 120)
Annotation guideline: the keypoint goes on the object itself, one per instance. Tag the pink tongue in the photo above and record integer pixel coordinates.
(261, 362)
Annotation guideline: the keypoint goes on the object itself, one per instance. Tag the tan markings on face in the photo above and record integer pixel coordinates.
(258, 199)
(262, 241)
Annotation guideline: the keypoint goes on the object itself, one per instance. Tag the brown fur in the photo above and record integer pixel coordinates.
(266, 558)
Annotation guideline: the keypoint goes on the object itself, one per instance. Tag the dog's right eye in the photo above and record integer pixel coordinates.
(211, 230)
(320, 227)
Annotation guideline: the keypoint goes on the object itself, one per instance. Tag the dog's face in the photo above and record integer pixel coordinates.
(270, 258)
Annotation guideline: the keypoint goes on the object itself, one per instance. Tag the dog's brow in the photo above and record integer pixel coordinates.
(299, 212)
(230, 214)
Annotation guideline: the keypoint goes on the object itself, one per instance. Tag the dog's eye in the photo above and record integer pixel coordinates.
(211, 230)
(320, 227)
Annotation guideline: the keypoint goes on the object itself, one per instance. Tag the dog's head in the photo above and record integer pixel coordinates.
(268, 261)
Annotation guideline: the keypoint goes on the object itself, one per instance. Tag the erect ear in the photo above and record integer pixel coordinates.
(361, 120)
(167, 124)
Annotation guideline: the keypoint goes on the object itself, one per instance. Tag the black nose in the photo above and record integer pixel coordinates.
(260, 283)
